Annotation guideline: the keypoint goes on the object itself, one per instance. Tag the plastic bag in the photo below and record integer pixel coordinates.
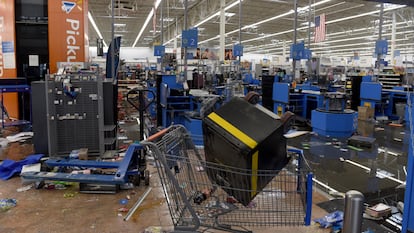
(6, 204)
(331, 219)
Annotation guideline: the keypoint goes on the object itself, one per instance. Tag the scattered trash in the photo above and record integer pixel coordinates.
(397, 139)
(294, 133)
(128, 197)
(402, 133)
(387, 151)
(199, 168)
(379, 129)
(330, 220)
(20, 136)
(10, 167)
(378, 210)
(7, 203)
(31, 168)
(39, 184)
(344, 150)
(123, 201)
(69, 195)
(24, 188)
(341, 159)
(355, 148)
(395, 125)
(123, 210)
(154, 229)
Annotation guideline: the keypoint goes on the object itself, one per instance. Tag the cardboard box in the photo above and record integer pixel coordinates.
(83, 153)
(365, 113)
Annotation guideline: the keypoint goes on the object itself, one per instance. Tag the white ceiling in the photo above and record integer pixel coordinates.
(267, 25)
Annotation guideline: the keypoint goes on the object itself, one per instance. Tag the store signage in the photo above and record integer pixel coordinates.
(159, 50)
(68, 30)
(7, 53)
(237, 50)
(381, 47)
(189, 38)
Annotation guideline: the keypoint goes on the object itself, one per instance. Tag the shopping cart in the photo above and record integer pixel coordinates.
(196, 203)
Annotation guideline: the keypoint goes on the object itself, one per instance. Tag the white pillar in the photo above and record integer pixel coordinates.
(222, 29)
(284, 49)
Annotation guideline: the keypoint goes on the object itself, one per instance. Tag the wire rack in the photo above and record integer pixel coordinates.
(196, 200)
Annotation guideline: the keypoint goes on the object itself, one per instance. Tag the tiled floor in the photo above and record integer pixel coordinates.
(49, 211)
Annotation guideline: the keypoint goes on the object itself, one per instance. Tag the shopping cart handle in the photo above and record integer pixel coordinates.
(156, 135)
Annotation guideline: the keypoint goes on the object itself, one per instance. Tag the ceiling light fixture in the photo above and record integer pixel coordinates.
(254, 25)
(96, 28)
(328, 22)
(157, 3)
(206, 20)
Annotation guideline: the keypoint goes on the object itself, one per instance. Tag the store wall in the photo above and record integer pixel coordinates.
(128, 54)
(7, 53)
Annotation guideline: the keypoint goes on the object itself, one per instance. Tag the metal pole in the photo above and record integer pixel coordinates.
(185, 28)
(381, 20)
(137, 204)
(295, 26)
(112, 36)
(394, 26)
(240, 26)
(354, 201)
(222, 29)
(309, 23)
(162, 23)
(380, 34)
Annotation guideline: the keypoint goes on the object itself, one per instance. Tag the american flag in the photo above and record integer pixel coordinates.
(320, 28)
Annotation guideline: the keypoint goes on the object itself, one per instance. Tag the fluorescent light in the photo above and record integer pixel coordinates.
(146, 23)
(96, 28)
(119, 24)
(218, 13)
(364, 14)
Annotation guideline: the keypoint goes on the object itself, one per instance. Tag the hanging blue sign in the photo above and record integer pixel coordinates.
(237, 50)
(159, 50)
(189, 38)
(297, 51)
(307, 54)
(381, 47)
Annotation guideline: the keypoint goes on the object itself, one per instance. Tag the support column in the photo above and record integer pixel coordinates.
(394, 27)
(222, 29)
(380, 34)
(295, 26)
(185, 28)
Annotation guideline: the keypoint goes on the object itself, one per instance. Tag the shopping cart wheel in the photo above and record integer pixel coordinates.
(146, 177)
(135, 179)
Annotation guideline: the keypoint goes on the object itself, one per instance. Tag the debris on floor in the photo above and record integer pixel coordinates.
(22, 136)
(69, 195)
(11, 167)
(154, 229)
(333, 220)
(378, 210)
(24, 188)
(7, 203)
